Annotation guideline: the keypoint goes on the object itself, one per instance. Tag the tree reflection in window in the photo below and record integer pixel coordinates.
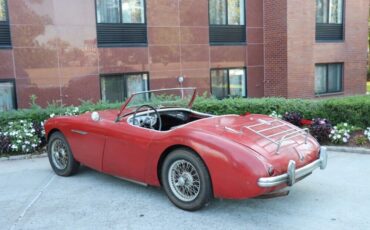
(329, 11)
(226, 12)
(3, 13)
(132, 11)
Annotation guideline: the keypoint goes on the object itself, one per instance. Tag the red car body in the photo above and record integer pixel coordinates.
(241, 163)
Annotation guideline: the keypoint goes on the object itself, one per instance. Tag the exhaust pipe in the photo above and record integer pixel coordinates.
(274, 194)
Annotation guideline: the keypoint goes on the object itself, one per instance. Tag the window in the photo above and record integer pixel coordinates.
(120, 86)
(3, 11)
(5, 41)
(226, 12)
(228, 83)
(329, 20)
(121, 22)
(328, 78)
(227, 21)
(7, 95)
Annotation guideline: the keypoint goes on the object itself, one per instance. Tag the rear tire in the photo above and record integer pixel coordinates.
(60, 155)
(186, 180)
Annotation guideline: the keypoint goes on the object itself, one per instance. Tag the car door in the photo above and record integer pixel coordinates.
(87, 140)
(126, 150)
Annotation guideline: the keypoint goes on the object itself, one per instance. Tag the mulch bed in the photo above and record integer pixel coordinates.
(352, 140)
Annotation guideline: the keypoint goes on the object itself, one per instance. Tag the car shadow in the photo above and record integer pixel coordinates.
(298, 194)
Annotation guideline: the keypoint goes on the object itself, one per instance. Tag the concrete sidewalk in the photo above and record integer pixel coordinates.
(33, 197)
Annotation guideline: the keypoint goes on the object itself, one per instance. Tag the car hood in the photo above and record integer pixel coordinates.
(108, 115)
(233, 127)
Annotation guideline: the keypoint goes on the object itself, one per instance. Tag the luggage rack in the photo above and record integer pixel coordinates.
(288, 133)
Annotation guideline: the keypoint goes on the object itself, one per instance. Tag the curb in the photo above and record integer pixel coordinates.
(24, 157)
(348, 149)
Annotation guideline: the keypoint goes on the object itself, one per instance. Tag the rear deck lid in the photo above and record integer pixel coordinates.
(276, 140)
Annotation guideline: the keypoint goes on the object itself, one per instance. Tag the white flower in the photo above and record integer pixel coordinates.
(345, 140)
(332, 131)
(34, 145)
(14, 147)
(19, 141)
(27, 142)
(345, 124)
(52, 115)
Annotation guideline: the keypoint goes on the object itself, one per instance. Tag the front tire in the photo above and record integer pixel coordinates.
(186, 180)
(60, 155)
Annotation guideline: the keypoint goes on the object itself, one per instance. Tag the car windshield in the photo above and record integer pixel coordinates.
(177, 97)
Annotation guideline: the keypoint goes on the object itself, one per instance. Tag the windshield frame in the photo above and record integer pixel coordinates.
(190, 104)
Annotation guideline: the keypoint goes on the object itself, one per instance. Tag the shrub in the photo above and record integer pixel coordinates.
(274, 114)
(340, 133)
(22, 136)
(5, 143)
(40, 132)
(321, 129)
(354, 110)
(360, 140)
(293, 117)
(367, 133)
(40, 114)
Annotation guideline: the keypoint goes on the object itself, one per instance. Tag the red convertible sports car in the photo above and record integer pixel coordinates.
(156, 139)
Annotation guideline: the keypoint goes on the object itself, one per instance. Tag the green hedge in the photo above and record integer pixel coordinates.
(40, 114)
(353, 110)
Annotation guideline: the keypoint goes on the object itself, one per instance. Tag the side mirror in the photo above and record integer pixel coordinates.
(95, 116)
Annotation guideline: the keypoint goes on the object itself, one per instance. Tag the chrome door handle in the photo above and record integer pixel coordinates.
(79, 132)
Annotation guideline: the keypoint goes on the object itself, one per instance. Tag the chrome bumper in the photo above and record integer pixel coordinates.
(294, 175)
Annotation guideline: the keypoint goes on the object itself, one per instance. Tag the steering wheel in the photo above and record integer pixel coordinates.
(149, 121)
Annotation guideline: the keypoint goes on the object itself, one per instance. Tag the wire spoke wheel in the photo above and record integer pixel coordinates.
(184, 180)
(59, 154)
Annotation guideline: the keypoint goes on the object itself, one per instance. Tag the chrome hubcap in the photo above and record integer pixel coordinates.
(59, 154)
(184, 180)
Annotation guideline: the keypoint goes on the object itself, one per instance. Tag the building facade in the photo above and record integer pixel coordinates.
(65, 51)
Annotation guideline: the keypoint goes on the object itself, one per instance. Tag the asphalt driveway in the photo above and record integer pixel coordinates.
(32, 197)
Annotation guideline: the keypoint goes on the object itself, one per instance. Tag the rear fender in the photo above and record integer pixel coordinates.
(234, 169)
